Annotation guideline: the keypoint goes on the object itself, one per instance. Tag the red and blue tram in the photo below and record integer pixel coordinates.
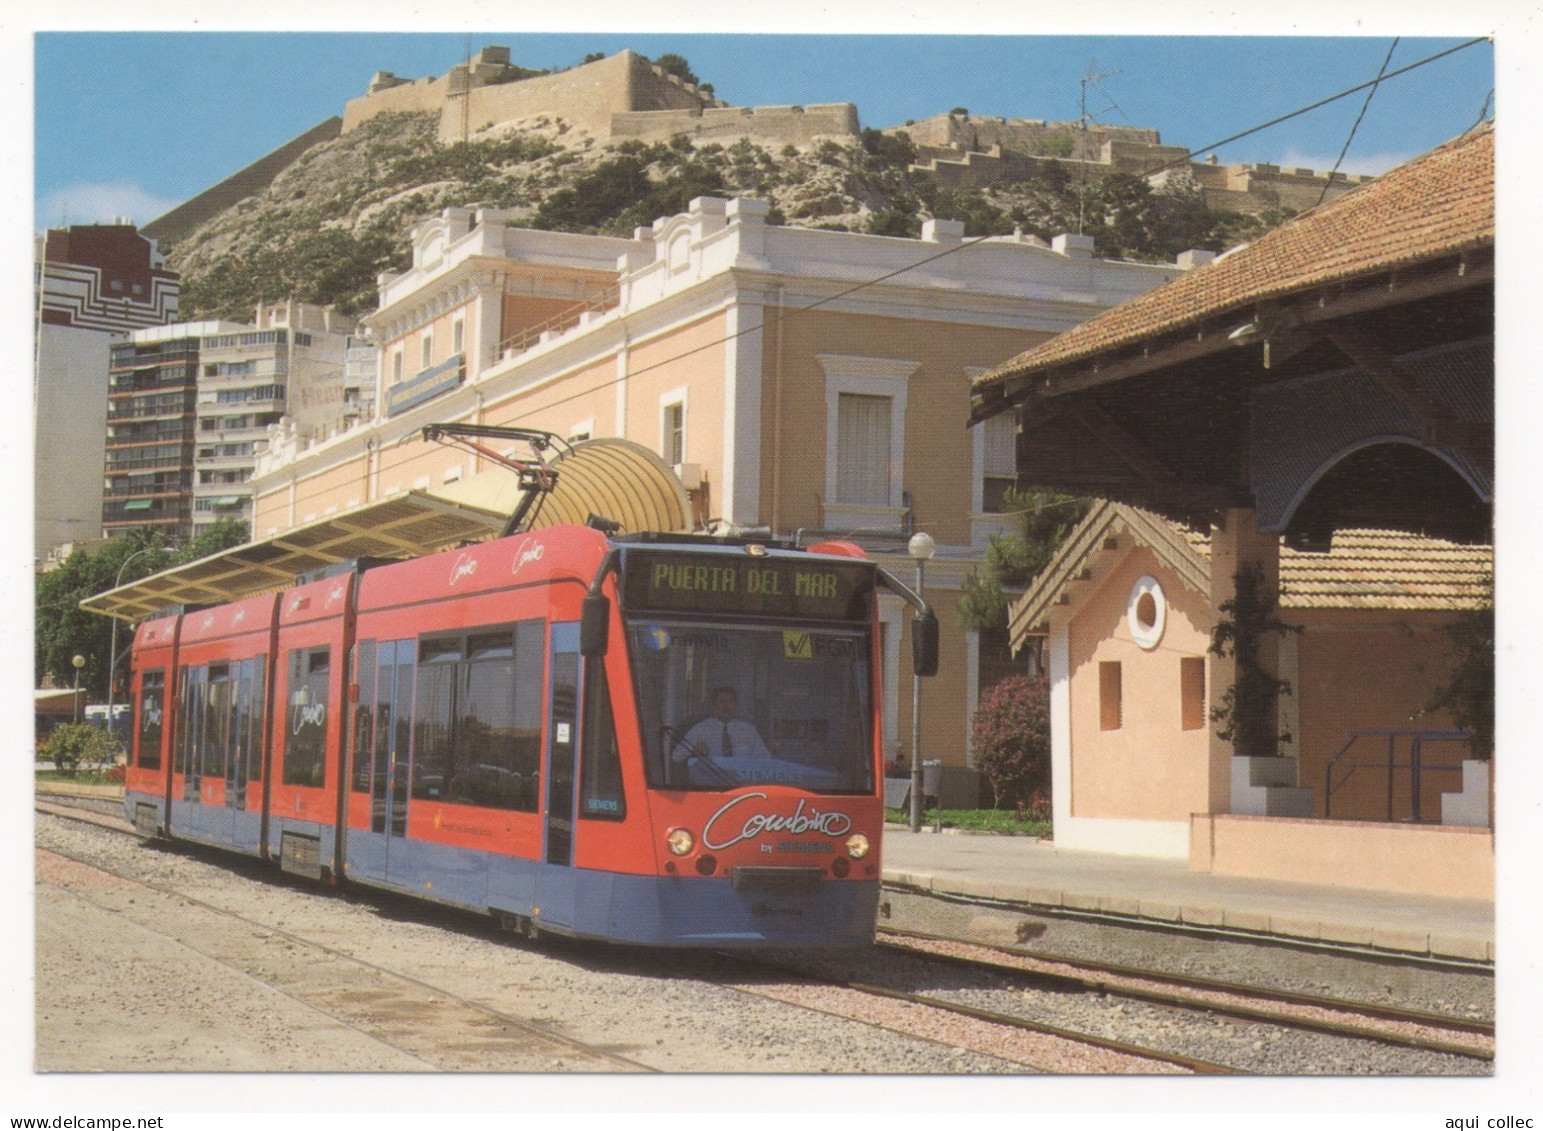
(651, 739)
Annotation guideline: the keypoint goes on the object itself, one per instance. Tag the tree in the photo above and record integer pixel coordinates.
(1469, 689)
(65, 630)
(1011, 738)
(1015, 558)
(672, 64)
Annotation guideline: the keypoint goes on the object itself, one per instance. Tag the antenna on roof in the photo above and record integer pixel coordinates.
(1092, 76)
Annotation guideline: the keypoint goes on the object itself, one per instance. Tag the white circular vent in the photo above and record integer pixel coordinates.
(1147, 612)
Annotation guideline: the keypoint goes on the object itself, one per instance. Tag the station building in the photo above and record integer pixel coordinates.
(1303, 429)
(810, 384)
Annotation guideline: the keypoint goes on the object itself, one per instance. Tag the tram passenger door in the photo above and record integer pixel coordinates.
(562, 745)
(396, 665)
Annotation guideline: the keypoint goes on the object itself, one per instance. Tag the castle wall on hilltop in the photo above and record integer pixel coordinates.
(415, 97)
(972, 152)
(1023, 135)
(250, 181)
(588, 97)
(792, 125)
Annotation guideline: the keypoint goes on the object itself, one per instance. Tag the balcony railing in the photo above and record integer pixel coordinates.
(522, 339)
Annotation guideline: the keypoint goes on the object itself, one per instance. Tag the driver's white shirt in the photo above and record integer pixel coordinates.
(743, 737)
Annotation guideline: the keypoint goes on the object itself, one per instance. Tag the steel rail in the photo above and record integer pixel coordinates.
(535, 1028)
(1073, 1036)
(1096, 982)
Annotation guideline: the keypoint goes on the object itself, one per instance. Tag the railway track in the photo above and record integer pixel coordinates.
(1414, 1029)
(1037, 1046)
(382, 1004)
(429, 1000)
(1012, 1005)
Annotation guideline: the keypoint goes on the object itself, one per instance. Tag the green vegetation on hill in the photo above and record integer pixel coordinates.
(341, 215)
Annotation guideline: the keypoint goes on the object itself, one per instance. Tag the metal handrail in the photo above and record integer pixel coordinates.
(522, 339)
(1417, 738)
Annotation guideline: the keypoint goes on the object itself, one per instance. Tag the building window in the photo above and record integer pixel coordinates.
(396, 365)
(672, 432)
(865, 415)
(1192, 692)
(458, 335)
(863, 435)
(1109, 692)
(428, 351)
(999, 471)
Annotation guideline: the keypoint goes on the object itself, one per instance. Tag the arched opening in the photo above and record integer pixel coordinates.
(1390, 485)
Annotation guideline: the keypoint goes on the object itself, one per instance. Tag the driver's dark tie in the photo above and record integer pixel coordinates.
(728, 743)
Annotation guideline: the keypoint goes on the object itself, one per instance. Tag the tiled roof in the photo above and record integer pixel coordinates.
(1378, 569)
(1382, 569)
(1365, 569)
(1435, 206)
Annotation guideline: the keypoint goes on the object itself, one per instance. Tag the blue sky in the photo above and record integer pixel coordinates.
(168, 113)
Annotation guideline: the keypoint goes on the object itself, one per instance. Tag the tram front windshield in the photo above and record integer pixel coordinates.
(726, 706)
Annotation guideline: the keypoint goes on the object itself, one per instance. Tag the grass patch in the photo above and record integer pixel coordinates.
(999, 821)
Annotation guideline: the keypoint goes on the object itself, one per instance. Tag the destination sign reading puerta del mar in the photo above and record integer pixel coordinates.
(769, 586)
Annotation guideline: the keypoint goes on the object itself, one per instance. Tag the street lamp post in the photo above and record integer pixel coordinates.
(112, 649)
(921, 548)
(79, 661)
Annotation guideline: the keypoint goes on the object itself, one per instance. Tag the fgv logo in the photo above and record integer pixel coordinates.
(529, 554)
(337, 593)
(465, 565)
(151, 716)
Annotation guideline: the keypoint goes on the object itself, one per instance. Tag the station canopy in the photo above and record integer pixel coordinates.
(403, 526)
(610, 478)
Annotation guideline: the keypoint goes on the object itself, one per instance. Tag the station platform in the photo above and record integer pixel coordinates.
(1029, 874)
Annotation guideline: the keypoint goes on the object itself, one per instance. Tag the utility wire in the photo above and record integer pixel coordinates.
(1388, 58)
(1321, 102)
(1484, 110)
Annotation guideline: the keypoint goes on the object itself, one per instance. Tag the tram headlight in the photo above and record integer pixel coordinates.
(857, 846)
(680, 841)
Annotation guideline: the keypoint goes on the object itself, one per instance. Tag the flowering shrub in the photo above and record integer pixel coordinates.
(115, 775)
(1012, 741)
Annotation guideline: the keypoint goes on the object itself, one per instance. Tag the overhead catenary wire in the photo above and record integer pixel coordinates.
(782, 317)
(1356, 125)
(1314, 106)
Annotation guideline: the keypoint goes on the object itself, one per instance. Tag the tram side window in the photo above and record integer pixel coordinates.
(498, 748)
(252, 690)
(477, 718)
(190, 720)
(600, 785)
(216, 737)
(305, 741)
(434, 718)
(149, 723)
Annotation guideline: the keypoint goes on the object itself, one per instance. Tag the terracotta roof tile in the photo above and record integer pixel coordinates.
(1380, 569)
(1437, 205)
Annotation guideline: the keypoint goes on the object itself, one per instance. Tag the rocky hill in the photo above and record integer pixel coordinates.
(341, 214)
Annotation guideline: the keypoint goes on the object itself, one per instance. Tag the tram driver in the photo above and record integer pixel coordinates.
(721, 736)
